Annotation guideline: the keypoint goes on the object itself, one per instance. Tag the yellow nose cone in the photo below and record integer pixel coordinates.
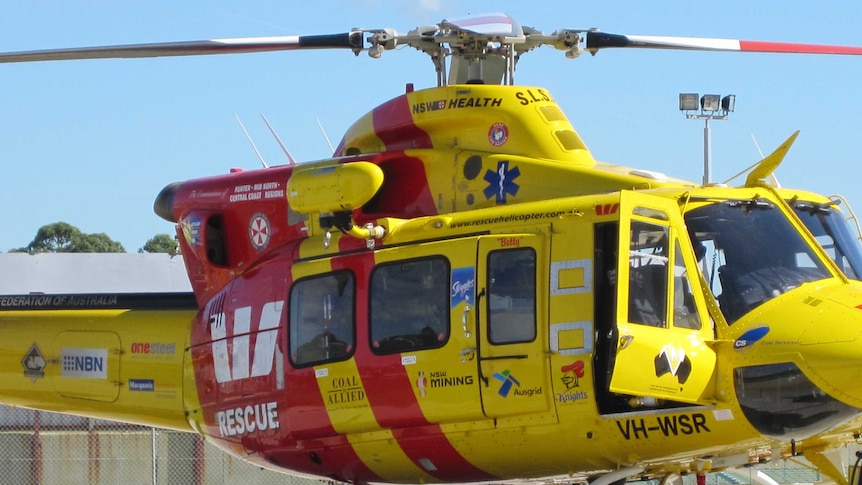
(797, 360)
(817, 327)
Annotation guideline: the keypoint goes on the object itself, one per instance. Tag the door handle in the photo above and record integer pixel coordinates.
(467, 333)
(468, 354)
(625, 341)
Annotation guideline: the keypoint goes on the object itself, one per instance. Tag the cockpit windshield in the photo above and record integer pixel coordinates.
(832, 232)
(749, 253)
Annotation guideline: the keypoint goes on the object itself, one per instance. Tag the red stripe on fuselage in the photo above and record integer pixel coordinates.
(404, 194)
(394, 125)
(390, 393)
(430, 446)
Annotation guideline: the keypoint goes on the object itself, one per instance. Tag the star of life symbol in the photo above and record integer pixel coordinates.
(258, 231)
(501, 183)
(34, 363)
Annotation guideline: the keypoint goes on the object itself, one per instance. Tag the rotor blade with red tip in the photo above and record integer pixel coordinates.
(601, 40)
(348, 40)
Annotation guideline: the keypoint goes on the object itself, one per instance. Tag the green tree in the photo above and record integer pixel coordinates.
(97, 243)
(58, 237)
(62, 237)
(161, 243)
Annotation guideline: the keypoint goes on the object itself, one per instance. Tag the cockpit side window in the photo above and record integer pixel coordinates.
(752, 253)
(831, 231)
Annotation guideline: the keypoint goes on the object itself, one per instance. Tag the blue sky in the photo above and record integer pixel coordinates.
(92, 142)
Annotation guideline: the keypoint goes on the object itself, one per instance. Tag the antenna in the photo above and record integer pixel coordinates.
(259, 156)
(757, 146)
(331, 149)
(289, 158)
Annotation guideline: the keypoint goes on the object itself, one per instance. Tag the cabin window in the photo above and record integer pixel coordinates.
(321, 319)
(215, 245)
(409, 305)
(512, 296)
(648, 274)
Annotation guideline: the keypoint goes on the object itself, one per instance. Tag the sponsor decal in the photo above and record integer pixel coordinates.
(238, 364)
(750, 337)
(502, 182)
(153, 348)
(422, 383)
(34, 363)
(571, 396)
(507, 381)
(536, 391)
(259, 231)
(667, 426)
(441, 379)
(143, 385)
(607, 209)
(243, 420)
(192, 231)
(498, 134)
(673, 360)
(463, 286)
(572, 374)
(345, 390)
(82, 363)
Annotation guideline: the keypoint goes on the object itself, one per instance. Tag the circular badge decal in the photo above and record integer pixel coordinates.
(498, 134)
(258, 231)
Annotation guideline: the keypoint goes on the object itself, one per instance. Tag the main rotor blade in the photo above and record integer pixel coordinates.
(601, 40)
(349, 40)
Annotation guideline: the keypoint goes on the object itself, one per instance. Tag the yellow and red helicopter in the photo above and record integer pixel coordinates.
(463, 293)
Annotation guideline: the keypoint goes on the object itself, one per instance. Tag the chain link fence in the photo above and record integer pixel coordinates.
(48, 448)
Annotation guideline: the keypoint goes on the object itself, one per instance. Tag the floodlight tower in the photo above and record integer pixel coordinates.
(712, 107)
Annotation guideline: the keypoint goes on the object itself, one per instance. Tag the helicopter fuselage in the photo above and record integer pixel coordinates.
(465, 274)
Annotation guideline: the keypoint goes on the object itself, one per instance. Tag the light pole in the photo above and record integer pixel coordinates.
(712, 107)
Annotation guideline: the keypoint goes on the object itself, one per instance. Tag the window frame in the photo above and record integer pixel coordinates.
(295, 313)
(445, 299)
(535, 296)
